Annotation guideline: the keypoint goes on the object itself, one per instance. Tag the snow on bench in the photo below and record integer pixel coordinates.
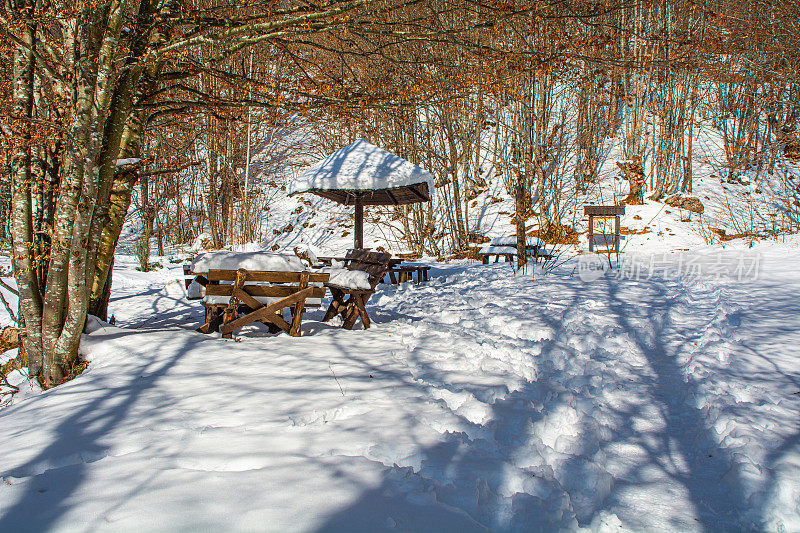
(498, 250)
(507, 247)
(512, 241)
(348, 279)
(221, 299)
(262, 261)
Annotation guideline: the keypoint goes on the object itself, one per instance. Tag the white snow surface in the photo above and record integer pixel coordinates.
(128, 161)
(512, 241)
(489, 249)
(259, 260)
(482, 400)
(195, 290)
(360, 166)
(349, 279)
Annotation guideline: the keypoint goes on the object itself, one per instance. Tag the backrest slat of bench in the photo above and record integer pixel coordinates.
(375, 264)
(266, 276)
(272, 291)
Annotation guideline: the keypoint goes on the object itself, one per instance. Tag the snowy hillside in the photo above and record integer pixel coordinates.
(749, 208)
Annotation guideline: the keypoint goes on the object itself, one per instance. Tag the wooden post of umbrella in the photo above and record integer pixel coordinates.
(359, 229)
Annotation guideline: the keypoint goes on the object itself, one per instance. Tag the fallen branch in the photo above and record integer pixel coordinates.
(8, 287)
(8, 307)
(334, 377)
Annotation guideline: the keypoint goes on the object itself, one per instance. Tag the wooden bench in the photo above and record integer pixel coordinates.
(507, 247)
(328, 260)
(261, 296)
(544, 255)
(402, 273)
(349, 302)
(397, 273)
(509, 253)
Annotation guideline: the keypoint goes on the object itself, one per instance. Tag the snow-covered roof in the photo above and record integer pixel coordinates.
(364, 168)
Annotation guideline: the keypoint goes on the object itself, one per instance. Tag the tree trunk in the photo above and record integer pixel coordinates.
(99, 307)
(521, 204)
(634, 173)
(23, 243)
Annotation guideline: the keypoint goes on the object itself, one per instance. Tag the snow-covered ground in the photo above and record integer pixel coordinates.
(663, 395)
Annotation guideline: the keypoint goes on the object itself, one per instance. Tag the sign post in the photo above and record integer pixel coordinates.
(600, 222)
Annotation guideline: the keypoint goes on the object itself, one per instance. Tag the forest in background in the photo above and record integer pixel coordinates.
(196, 111)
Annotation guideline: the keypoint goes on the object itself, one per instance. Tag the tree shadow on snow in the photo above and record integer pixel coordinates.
(54, 477)
(686, 448)
(466, 477)
(488, 474)
(459, 483)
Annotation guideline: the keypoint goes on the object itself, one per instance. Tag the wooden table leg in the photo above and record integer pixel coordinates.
(297, 319)
(337, 302)
(206, 328)
(213, 320)
(229, 316)
(351, 314)
(357, 309)
(361, 302)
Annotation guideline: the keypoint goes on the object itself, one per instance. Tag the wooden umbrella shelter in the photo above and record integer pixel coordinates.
(363, 174)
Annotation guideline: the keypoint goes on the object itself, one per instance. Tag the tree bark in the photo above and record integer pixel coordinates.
(23, 244)
(99, 306)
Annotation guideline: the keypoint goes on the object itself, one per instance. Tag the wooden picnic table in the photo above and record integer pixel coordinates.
(510, 253)
(232, 290)
(399, 271)
(405, 272)
(506, 247)
(328, 260)
(260, 295)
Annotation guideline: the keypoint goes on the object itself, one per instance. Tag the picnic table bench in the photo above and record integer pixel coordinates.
(236, 285)
(262, 296)
(506, 247)
(398, 271)
(350, 299)
(402, 273)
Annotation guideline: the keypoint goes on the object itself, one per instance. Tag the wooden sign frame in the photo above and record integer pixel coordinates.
(604, 212)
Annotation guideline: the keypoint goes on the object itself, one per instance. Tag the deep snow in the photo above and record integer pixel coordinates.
(651, 397)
